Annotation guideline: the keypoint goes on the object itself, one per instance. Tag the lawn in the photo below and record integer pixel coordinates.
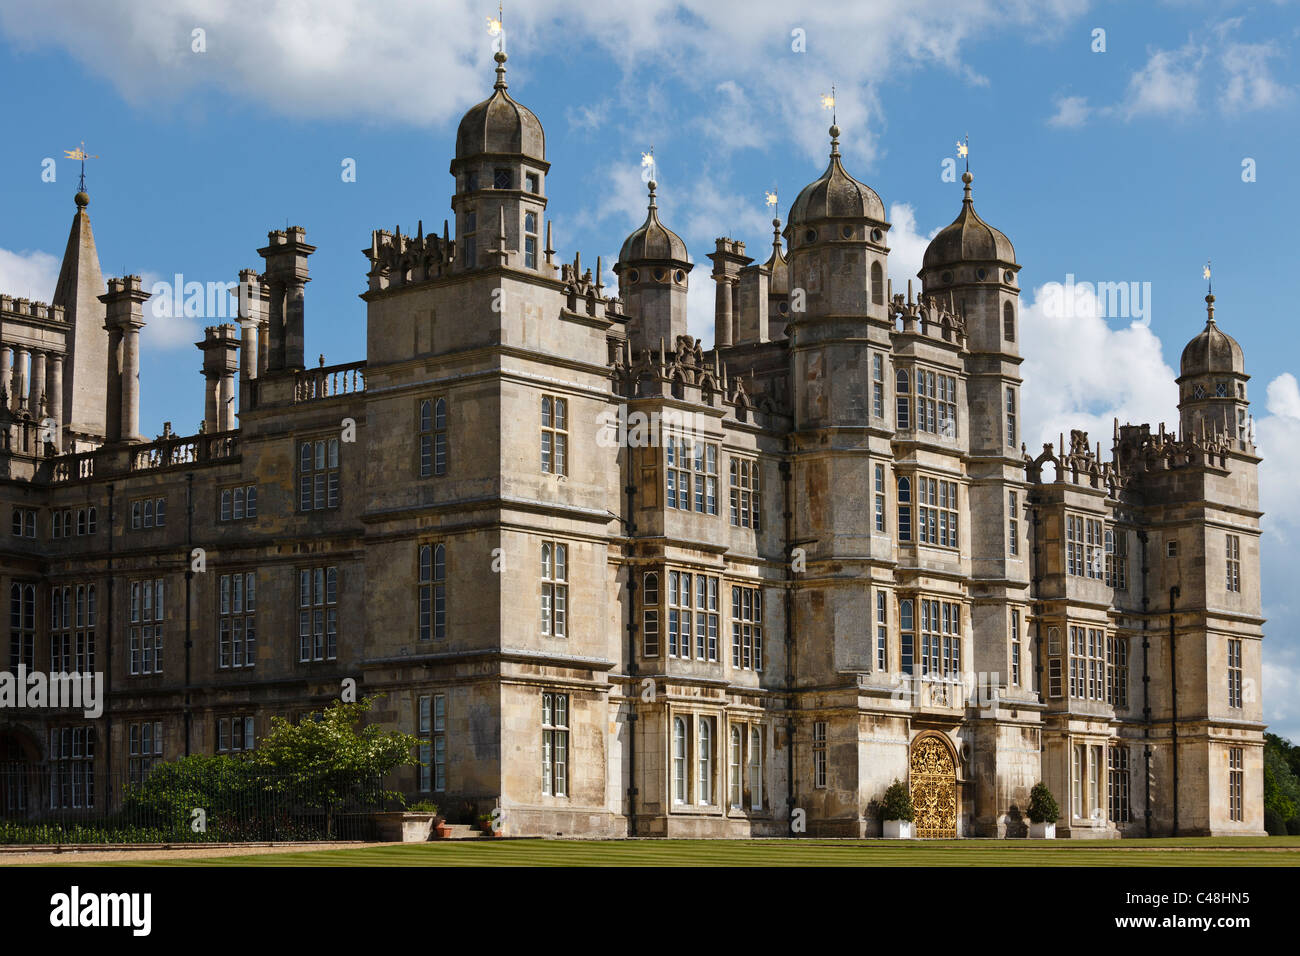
(1245, 851)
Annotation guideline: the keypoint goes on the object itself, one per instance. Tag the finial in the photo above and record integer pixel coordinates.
(1209, 308)
(653, 186)
(776, 236)
(500, 57)
(835, 140)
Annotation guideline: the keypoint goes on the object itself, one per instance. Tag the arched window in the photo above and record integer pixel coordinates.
(90, 520)
(902, 386)
(679, 760)
(877, 284)
(734, 766)
(755, 768)
(904, 509)
(1009, 322)
(704, 757)
(433, 592)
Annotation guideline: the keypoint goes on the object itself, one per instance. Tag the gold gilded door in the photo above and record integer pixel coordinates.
(934, 789)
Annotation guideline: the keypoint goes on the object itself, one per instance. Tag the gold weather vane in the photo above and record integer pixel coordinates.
(648, 170)
(1205, 274)
(771, 199)
(497, 29)
(80, 154)
(963, 150)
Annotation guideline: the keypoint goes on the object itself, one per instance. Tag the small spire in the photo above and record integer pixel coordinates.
(967, 179)
(500, 57)
(653, 186)
(776, 236)
(835, 139)
(1209, 308)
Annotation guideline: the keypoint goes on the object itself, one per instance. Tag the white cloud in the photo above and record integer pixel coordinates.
(1082, 373)
(1167, 84)
(1277, 436)
(339, 59)
(30, 274)
(1071, 111)
(906, 247)
(1281, 674)
(1247, 84)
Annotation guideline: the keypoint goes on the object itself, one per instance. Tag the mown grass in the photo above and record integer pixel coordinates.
(1243, 851)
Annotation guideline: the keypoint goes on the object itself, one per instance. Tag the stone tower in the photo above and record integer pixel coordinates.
(1212, 385)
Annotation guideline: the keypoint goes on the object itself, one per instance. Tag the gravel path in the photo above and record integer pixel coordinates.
(162, 856)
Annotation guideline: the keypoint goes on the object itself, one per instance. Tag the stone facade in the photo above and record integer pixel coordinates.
(620, 584)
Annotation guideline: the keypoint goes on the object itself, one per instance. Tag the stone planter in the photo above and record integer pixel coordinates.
(1042, 831)
(402, 826)
(897, 830)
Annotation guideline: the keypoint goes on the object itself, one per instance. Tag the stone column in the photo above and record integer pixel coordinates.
(723, 334)
(20, 377)
(54, 389)
(125, 319)
(113, 387)
(37, 385)
(275, 323)
(294, 340)
(6, 373)
(131, 380)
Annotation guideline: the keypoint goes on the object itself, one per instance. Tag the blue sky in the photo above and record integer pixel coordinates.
(1117, 165)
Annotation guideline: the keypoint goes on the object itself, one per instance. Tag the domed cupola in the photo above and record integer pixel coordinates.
(500, 169)
(968, 239)
(1212, 381)
(835, 195)
(652, 241)
(835, 245)
(653, 270)
(500, 126)
(1213, 350)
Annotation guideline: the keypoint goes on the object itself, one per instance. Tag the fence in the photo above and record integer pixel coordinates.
(71, 802)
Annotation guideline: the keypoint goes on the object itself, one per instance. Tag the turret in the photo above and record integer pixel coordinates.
(653, 268)
(124, 301)
(1212, 386)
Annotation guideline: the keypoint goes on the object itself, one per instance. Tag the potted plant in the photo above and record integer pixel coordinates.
(897, 812)
(487, 825)
(1042, 813)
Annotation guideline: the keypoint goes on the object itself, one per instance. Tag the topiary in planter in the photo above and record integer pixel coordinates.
(1042, 805)
(897, 803)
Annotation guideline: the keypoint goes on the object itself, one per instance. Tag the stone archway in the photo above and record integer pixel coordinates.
(932, 774)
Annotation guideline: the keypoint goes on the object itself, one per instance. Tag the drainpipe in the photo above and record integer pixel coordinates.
(1174, 594)
(1146, 686)
(108, 660)
(189, 578)
(632, 668)
(788, 517)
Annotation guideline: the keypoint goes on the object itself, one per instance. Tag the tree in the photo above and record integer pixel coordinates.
(328, 760)
(897, 803)
(1281, 785)
(1042, 805)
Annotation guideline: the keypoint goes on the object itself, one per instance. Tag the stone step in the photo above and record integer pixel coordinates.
(461, 831)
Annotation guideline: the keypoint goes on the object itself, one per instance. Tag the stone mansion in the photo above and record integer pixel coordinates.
(619, 584)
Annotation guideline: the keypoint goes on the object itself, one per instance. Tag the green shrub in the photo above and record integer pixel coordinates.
(1274, 824)
(1042, 805)
(423, 806)
(896, 804)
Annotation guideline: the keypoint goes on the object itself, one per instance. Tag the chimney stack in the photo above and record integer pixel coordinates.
(220, 348)
(286, 255)
(125, 319)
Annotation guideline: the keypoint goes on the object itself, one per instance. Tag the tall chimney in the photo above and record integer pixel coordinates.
(286, 255)
(125, 319)
(220, 348)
